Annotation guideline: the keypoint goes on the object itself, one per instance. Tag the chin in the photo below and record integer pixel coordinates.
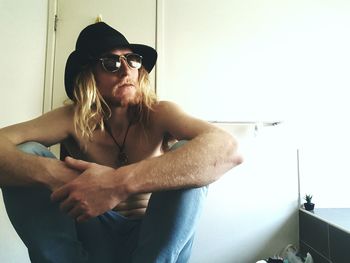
(123, 102)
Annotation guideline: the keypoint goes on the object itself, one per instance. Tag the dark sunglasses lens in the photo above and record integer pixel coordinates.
(134, 60)
(111, 64)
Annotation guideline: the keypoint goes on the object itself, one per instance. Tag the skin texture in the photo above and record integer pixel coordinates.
(89, 186)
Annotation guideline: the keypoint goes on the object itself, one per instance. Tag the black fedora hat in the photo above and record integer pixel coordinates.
(93, 41)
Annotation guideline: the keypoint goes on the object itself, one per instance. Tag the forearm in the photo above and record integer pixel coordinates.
(199, 162)
(21, 169)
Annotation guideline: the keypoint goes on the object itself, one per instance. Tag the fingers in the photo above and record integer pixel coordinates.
(127, 205)
(76, 164)
(59, 194)
(82, 218)
(78, 214)
(75, 211)
(72, 207)
(67, 205)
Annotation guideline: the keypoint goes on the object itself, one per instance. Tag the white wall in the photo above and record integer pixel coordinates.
(267, 60)
(22, 47)
(251, 212)
(231, 60)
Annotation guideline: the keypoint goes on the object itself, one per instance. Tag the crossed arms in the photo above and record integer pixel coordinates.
(86, 189)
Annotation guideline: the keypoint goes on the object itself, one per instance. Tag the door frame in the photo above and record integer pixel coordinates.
(50, 55)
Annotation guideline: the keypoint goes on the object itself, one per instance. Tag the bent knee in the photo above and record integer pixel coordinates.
(178, 145)
(35, 148)
(30, 147)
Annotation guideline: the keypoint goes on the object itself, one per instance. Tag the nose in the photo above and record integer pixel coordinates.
(124, 67)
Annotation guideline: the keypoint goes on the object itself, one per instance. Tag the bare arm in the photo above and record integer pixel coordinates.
(209, 153)
(18, 168)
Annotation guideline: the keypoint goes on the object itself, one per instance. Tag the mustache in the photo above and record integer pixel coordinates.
(127, 82)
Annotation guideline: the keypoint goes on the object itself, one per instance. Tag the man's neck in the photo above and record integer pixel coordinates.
(119, 117)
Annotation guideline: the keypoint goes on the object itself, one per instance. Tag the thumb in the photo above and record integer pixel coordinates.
(76, 164)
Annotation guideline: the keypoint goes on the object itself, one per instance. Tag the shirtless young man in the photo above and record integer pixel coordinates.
(96, 206)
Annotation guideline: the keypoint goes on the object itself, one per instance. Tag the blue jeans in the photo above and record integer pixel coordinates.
(164, 234)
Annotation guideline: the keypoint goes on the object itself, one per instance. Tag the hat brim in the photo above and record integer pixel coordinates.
(73, 67)
(148, 54)
(76, 61)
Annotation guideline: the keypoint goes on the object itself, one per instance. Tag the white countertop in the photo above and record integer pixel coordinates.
(338, 217)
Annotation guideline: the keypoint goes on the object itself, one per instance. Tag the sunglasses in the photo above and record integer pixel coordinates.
(112, 63)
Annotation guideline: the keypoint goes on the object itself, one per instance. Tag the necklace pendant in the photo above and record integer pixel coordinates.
(122, 158)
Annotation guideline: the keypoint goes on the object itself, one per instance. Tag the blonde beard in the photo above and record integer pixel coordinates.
(135, 100)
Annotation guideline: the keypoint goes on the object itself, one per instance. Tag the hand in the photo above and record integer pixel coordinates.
(91, 194)
(59, 173)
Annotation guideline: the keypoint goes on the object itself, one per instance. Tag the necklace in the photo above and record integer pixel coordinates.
(122, 157)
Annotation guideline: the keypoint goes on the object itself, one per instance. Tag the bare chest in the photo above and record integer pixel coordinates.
(102, 149)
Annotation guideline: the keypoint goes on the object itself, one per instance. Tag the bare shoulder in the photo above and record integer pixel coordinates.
(47, 129)
(62, 116)
(163, 108)
(165, 112)
(170, 118)
(64, 113)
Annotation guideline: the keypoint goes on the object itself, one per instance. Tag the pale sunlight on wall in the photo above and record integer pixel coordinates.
(267, 61)
(22, 67)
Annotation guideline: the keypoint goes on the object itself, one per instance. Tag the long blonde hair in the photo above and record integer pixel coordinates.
(91, 110)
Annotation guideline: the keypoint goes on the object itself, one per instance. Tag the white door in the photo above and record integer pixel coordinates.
(135, 19)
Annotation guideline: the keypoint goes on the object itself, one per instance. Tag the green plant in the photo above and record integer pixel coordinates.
(308, 198)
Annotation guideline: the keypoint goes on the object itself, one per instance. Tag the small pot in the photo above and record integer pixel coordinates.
(309, 206)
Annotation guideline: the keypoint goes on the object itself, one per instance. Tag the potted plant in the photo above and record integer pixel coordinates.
(309, 206)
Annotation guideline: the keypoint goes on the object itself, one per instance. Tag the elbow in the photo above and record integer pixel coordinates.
(237, 159)
(234, 156)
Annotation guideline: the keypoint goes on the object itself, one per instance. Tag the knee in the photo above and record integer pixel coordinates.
(30, 147)
(35, 148)
(178, 144)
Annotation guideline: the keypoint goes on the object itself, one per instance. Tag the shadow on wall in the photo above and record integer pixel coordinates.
(283, 235)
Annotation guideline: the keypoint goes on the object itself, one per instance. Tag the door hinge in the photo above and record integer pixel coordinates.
(55, 23)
